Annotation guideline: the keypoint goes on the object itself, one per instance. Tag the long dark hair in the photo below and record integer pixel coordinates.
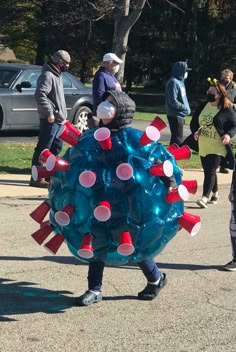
(224, 101)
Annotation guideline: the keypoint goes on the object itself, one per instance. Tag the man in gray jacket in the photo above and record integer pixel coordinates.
(51, 106)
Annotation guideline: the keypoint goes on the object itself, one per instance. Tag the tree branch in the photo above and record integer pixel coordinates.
(175, 6)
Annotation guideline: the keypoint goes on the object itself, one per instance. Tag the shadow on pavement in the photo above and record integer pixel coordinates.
(21, 298)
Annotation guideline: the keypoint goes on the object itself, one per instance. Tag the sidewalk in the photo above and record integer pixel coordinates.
(18, 185)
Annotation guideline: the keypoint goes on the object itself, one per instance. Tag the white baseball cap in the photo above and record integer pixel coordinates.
(111, 57)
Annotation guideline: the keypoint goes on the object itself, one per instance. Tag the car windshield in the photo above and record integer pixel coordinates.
(7, 77)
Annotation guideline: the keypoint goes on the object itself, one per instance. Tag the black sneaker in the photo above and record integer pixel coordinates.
(214, 200)
(39, 183)
(231, 266)
(88, 298)
(151, 291)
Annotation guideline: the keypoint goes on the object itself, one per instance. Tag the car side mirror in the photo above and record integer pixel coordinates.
(24, 84)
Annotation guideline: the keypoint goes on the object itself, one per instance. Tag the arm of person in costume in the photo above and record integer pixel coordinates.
(43, 89)
(173, 92)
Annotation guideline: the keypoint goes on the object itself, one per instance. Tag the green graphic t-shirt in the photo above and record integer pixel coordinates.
(209, 139)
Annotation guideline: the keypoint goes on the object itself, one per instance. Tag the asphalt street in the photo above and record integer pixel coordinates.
(194, 312)
(31, 136)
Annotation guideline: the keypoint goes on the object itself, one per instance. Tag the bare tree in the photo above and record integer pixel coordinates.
(126, 15)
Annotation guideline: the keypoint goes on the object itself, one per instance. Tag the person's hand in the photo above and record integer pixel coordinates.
(195, 136)
(51, 119)
(225, 139)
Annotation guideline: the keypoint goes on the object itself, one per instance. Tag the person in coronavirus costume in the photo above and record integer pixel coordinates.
(116, 197)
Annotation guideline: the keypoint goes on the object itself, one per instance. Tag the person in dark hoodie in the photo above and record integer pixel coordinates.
(177, 105)
(51, 106)
(116, 113)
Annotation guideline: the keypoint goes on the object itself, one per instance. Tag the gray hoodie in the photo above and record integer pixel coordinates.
(49, 94)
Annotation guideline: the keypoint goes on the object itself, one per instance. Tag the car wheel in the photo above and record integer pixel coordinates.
(81, 118)
(1, 118)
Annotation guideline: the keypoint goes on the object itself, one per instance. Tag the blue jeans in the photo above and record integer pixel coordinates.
(47, 140)
(95, 274)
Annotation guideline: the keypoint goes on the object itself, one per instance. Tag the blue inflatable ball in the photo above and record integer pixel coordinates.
(107, 208)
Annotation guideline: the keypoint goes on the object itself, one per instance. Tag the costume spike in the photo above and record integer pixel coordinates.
(41, 234)
(183, 153)
(103, 137)
(67, 136)
(103, 211)
(125, 244)
(158, 123)
(191, 185)
(54, 243)
(190, 222)
(151, 134)
(178, 194)
(162, 169)
(40, 212)
(86, 247)
(64, 215)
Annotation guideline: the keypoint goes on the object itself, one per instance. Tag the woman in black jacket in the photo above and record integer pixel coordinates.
(213, 127)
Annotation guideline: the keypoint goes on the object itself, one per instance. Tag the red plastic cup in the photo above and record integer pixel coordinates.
(72, 128)
(103, 211)
(103, 137)
(183, 153)
(54, 243)
(64, 215)
(124, 171)
(158, 123)
(151, 134)
(190, 222)
(40, 212)
(179, 194)
(56, 164)
(191, 185)
(40, 235)
(39, 172)
(172, 147)
(86, 247)
(125, 244)
(44, 223)
(162, 169)
(44, 156)
(67, 135)
(87, 178)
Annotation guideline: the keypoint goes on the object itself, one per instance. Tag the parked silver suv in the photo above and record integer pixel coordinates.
(18, 109)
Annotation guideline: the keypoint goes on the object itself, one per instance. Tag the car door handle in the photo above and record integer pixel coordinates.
(75, 93)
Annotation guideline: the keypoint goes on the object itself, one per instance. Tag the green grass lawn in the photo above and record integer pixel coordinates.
(16, 159)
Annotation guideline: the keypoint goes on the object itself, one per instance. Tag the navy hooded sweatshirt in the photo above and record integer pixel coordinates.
(176, 99)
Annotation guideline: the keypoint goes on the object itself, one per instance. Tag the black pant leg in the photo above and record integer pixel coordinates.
(210, 164)
(95, 275)
(177, 129)
(150, 270)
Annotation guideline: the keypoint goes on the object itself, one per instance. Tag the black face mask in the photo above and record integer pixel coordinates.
(64, 68)
(224, 81)
(211, 97)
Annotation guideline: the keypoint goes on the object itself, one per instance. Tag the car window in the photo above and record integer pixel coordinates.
(31, 76)
(7, 77)
(66, 82)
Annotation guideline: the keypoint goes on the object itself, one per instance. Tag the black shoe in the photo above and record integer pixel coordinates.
(223, 170)
(88, 298)
(151, 290)
(231, 266)
(39, 183)
(214, 199)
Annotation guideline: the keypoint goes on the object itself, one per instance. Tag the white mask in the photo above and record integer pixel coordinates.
(106, 110)
(186, 75)
(116, 68)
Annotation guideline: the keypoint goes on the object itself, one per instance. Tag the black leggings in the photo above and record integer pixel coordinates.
(210, 164)
(176, 125)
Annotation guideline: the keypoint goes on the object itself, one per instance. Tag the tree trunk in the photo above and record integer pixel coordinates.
(124, 20)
